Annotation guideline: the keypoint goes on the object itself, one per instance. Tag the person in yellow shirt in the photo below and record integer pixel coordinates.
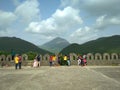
(54, 60)
(16, 61)
(65, 59)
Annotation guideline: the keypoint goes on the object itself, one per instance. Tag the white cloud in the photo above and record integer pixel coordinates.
(103, 22)
(80, 32)
(115, 21)
(28, 11)
(61, 21)
(6, 19)
(82, 35)
(99, 15)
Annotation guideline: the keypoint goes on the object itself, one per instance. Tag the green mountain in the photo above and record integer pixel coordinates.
(7, 44)
(101, 45)
(55, 45)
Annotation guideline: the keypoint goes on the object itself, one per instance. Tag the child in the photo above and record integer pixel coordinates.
(79, 60)
(35, 64)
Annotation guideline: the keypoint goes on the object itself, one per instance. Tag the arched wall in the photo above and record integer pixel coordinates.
(90, 56)
(24, 57)
(106, 56)
(98, 56)
(96, 59)
(9, 58)
(2, 57)
(73, 56)
(114, 56)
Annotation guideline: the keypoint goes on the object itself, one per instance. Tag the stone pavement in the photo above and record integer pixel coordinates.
(61, 78)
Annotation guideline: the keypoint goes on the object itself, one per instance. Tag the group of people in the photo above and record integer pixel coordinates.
(53, 60)
(60, 60)
(82, 60)
(18, 61)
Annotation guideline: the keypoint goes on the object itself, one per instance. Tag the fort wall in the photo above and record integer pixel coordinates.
(92, 59)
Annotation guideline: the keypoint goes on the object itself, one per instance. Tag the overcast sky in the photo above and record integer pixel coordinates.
(77, 21)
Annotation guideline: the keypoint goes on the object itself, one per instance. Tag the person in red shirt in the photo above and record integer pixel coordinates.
(20, 61)
(50, 60)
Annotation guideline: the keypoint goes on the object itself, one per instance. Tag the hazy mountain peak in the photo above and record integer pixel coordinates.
(55, 45)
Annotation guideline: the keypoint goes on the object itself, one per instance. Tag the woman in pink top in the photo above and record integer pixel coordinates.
(35, 64)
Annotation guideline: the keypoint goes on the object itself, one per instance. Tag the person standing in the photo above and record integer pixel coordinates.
(65, 59)
(85, 60)
(50, 60)
(68, 60)
(54, 60)
(38, 59)
(16, 61)
(35, 63)
(20, 61)
(79, 60)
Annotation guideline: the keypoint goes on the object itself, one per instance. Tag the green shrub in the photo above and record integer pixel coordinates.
(31, 55)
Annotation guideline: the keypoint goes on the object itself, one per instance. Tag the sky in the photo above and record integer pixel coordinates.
(78, 21)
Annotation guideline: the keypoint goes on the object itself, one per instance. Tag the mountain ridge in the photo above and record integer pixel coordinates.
(105, 44)
(19, 45)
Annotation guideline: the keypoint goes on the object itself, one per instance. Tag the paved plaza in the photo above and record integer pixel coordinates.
(60, 78)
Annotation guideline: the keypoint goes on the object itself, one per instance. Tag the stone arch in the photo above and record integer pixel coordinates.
(9, 58)
(73, 56)
(98, 56)
(114, 56)
(2, 57)
(24, 57)
(90, 56)
(106, 56)
(46, 57)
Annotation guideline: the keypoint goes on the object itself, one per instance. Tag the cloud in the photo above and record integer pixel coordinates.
(104, 22)
(6, 19)
(98, 14)
(28, 11)
(109, 11)
(81, 32)
(82, 35)
(95, 7)
(86, 33)
(60, 22)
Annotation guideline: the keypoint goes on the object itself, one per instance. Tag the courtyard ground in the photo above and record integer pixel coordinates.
(60, 78)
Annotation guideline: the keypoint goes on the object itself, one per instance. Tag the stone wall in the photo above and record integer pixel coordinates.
(92, 59)
(7, 60)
